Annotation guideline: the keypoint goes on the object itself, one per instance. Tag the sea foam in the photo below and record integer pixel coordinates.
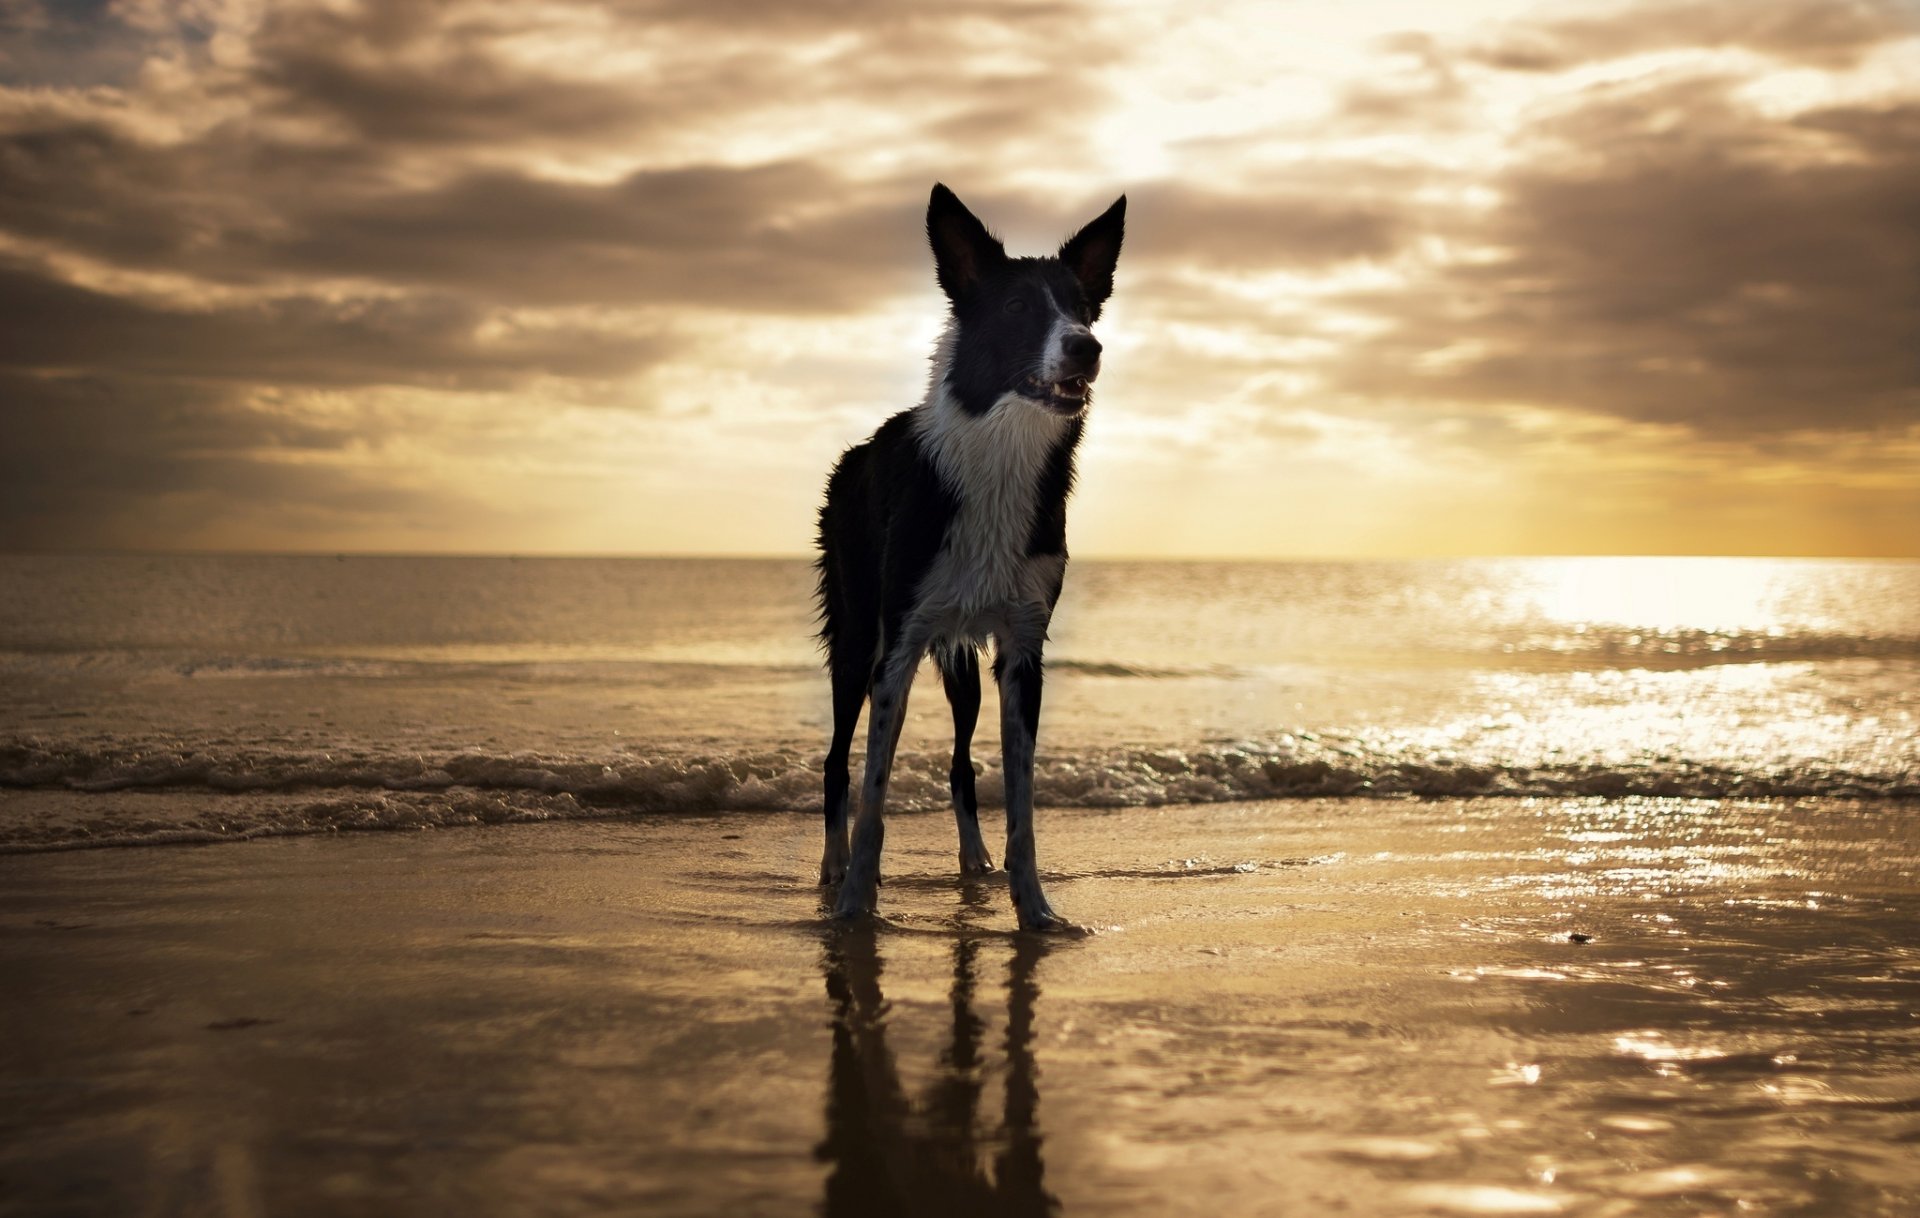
(370, 788)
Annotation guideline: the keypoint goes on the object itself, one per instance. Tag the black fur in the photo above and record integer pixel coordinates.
(885, 516)
(960, 675)
(999, 348)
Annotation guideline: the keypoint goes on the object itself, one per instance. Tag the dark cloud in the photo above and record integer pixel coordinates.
(50, 325)
(387, 142)
(771, 237)
(403, 74)
(752, 239)
(464, 97)
(79, 42)
(847, 14)
(96, 461)
(433, 74)
(1653, 271)
(86, 185)
(1249, 230)
(1828, 33)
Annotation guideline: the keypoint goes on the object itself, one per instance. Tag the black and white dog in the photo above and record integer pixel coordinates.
(949, 527)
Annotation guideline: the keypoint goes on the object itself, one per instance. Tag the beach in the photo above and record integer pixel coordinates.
(397, 886)
(1501, 1006)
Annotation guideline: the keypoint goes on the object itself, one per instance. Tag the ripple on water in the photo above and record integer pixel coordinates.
(1488, 1199)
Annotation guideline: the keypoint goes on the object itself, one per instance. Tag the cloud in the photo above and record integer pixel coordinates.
(208, 209)
(753, 237)
(430, 145)
(966, 80)
(736, 238)
(1666, 256)
(407, 74)
(1827, 33)
(50, 325)
(1284, 227)
(111, 460)
(65, 44)
(1425, 89)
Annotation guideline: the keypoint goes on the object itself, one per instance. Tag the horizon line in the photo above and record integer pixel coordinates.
(808, 556)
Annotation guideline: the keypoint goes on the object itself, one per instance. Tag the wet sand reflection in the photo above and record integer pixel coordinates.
(891, 1154)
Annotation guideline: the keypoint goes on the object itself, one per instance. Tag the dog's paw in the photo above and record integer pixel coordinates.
(1043, 921)
(980, 863)
(856, 900)
(851, 911)
(833, 863)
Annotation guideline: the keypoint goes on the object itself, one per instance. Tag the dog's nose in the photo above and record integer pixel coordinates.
(1082, 348)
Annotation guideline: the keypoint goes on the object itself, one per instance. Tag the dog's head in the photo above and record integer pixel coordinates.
(1022, 326)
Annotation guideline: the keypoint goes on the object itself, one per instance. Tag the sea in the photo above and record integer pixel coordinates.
(168, 698)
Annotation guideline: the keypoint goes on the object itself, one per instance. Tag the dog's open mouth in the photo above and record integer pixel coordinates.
(1068, 395)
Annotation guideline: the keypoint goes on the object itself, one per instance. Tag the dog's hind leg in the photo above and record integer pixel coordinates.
(1017, 667)
(888, 710)
(852, 672)
(960, 673)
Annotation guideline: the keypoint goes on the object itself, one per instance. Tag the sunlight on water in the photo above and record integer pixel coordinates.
(552, 687)
(1483, 1199)
(1667, 595)
(1653, 1047)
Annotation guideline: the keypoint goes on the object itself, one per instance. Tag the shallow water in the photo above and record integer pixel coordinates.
(1298, 1007)
(306, 694)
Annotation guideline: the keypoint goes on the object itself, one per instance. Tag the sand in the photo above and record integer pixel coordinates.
(1296, 1007)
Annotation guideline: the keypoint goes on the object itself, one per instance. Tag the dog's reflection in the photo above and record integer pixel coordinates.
(893, 1156)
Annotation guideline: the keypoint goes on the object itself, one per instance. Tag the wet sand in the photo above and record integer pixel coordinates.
(1297, 1007)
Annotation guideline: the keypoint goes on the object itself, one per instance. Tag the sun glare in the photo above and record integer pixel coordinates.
(1722, 595)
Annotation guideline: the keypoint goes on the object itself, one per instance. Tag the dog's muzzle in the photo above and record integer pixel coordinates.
(1068, 396)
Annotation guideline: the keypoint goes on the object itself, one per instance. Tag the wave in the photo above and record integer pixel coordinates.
(1550, 648)
(1629, 646)
(1116, 668)
(1598, 648)
(369, 788)
(141, 662)
(147, 664)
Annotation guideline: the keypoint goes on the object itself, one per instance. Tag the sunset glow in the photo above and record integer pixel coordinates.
(1400, 279)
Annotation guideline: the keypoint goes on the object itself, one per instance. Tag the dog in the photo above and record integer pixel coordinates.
(948, 527)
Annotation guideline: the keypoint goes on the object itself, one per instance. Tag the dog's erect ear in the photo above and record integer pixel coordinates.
(963, 249)
(1093, 252)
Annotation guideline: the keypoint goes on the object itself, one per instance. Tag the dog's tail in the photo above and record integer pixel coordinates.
(826, 595)
(839, 533)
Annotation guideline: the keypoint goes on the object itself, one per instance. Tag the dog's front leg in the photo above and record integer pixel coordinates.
(860, 890)
(1017, 667)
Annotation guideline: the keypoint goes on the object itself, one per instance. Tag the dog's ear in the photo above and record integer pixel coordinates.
(1093, 252)
(963, 249)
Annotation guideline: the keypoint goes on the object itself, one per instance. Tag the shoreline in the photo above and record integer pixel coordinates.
(1294, 1007)
(38, 820)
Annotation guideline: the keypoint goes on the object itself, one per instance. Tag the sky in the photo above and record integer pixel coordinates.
(1400, 279)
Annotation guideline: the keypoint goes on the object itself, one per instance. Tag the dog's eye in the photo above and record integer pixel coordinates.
(1016, 306)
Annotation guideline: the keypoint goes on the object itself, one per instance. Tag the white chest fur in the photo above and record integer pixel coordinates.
(982, 578)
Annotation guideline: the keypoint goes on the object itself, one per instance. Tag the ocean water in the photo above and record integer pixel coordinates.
(167, 698)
